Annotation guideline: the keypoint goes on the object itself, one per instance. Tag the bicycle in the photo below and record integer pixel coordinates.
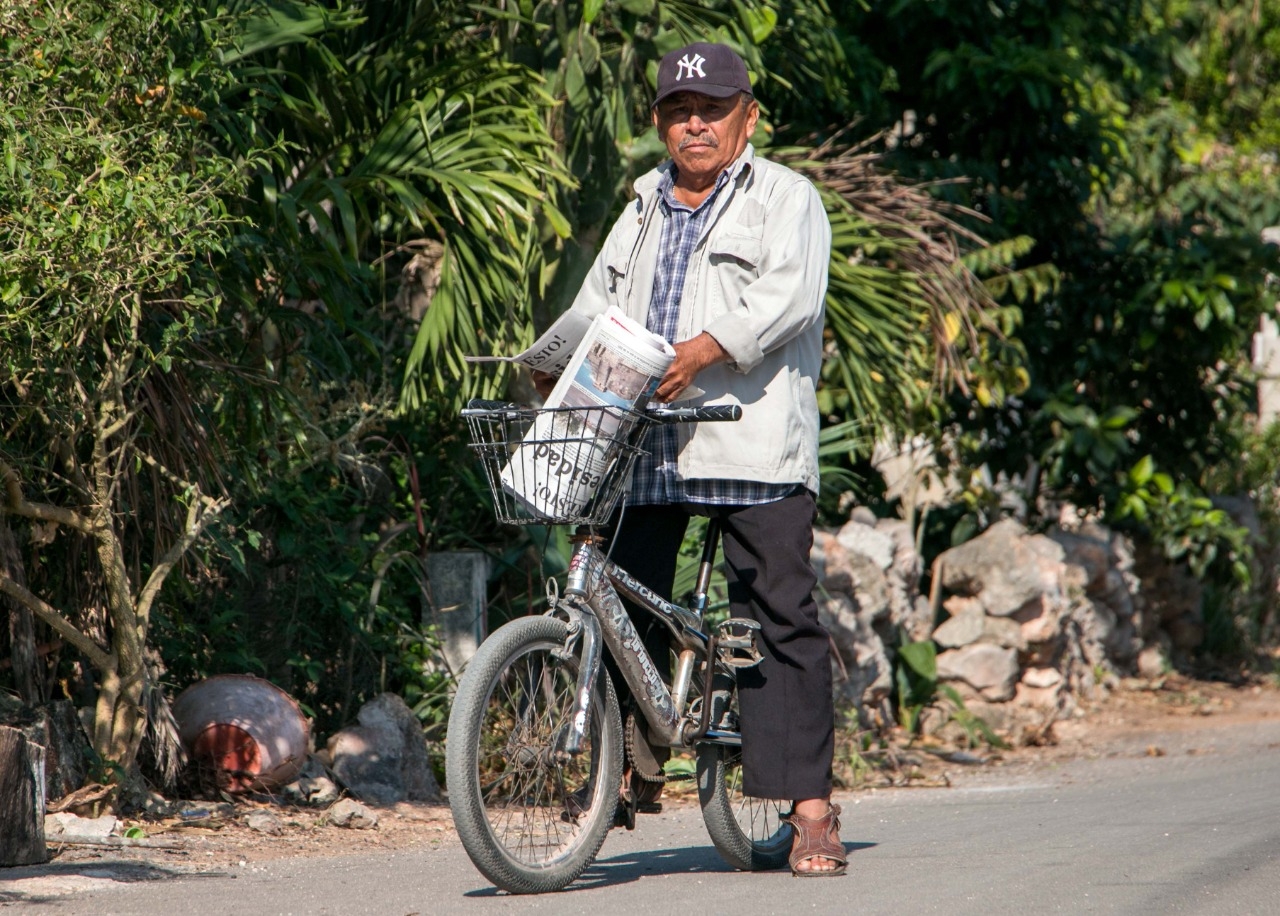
(536, 748)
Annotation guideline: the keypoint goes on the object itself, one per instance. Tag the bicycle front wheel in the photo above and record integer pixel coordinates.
(530, 817)
(748, 832)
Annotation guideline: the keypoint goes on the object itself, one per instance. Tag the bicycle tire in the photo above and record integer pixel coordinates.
(748, 832)
(530, 823)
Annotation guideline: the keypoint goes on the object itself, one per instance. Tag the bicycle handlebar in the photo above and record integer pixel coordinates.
(477, 406)
(714, 413)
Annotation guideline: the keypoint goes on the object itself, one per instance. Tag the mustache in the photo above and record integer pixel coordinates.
(707, 138)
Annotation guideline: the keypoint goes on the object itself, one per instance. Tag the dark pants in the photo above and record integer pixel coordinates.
(788, 718)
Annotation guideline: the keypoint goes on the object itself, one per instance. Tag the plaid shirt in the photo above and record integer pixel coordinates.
(657, 480)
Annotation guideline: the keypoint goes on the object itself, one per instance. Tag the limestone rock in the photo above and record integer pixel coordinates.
(1116, 593)
(390, 712)
(866, 675)
(1088, 551)
(1153, 662)
(1094, 626)
(384, 760)
(1040, 621)
(869, 542)
(868, 595)
(264, 822)
(1001, 631)
(313, 786)
(1042, 677)
(367, 762)
(1038, 697)
(1005, 566)
(961, 629)
(350, 813)
(1037, 619)
(908, 609)
(991, 670)
(64, 822)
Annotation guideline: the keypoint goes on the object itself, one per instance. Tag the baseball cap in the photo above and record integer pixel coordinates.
(709, 69)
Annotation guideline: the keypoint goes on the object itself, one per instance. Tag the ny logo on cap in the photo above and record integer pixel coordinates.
(689, 65)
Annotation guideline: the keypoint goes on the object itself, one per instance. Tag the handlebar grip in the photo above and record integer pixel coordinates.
(480, 405)
(714, 413)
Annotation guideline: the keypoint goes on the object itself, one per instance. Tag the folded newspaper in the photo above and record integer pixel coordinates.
(552, 351)
(613, 370)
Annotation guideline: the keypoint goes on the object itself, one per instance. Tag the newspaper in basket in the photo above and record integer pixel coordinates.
(557, 469)
(560, 463)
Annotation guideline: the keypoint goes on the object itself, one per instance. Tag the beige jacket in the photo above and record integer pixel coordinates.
(756, 282)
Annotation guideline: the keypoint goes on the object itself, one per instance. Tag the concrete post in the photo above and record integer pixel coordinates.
(1266, 355)
(458, 582)
(1266, 362)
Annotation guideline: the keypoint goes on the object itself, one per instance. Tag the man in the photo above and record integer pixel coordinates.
(726, 254)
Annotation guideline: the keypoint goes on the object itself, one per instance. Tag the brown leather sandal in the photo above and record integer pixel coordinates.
(817, 838)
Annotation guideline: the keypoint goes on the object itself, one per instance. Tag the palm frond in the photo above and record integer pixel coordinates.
(904, 309)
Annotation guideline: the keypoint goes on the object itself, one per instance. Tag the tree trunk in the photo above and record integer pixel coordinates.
(56, 727)
(21, 799)
(119, 719)
(28, 672)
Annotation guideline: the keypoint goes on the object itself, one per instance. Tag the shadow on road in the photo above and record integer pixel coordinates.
(43, 884)
(624, 869)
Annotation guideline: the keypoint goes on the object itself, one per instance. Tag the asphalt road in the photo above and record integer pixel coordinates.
(1194, 831)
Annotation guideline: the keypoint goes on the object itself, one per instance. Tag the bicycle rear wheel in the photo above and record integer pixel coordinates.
(748, 832)
(530, 818)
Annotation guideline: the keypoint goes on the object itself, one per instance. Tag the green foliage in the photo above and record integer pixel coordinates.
(1121, 157)
(329, 597)
(206, 211)
(854, 764)
(918, 687)
(916, 678)
(1085, 447)
(1231, 55)
(907, 319)
(113, 207)
(1184, 523)
(382, 131)
(108, 194)
(976, 728)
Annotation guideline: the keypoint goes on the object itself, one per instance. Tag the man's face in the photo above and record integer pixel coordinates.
(704, 134)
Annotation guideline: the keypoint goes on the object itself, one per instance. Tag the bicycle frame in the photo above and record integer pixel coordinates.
(596, 611)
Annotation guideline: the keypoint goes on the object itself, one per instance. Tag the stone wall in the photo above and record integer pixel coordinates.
(868, 593)
(1025, 624)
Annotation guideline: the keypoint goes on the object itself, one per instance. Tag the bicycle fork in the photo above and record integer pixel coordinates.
(604, 617)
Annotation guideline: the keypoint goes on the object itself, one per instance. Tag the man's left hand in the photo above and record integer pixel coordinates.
(692, 356)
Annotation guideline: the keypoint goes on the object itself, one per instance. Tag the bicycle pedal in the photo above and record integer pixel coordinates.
(736, 643)
(649, 808)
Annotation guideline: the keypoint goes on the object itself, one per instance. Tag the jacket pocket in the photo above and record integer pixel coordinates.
(745, 249)
(733, 262)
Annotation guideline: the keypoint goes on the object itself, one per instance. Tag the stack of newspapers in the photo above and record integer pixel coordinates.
(571, 446)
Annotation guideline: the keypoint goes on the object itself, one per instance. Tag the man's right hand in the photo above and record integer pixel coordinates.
(692, 356)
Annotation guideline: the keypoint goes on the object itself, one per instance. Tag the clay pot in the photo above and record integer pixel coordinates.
(243, 733)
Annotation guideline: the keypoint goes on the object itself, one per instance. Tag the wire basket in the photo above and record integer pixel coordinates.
(559, 466)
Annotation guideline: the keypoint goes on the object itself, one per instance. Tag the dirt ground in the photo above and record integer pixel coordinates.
(1173, 715)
